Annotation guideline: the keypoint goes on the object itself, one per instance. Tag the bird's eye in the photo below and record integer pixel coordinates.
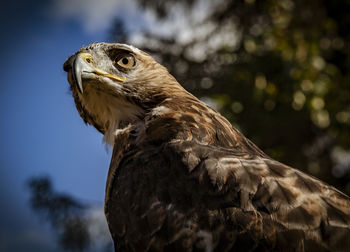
(127, 61)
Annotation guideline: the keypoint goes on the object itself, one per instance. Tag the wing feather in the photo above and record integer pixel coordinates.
(193, 195)
(282, 196)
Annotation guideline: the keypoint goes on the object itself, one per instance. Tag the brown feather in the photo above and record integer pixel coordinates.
(182, 178)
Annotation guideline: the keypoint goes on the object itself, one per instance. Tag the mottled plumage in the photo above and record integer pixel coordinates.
(182, 178)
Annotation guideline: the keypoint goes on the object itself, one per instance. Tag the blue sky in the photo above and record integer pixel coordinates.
(41, 131)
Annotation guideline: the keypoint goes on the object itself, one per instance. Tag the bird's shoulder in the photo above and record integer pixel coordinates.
(166, 171)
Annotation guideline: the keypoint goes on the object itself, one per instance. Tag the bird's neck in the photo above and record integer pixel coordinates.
(184, 119)
(187, 118)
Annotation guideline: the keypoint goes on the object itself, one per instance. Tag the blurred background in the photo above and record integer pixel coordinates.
(279, 70)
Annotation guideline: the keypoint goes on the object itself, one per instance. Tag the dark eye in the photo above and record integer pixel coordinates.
(127, 61)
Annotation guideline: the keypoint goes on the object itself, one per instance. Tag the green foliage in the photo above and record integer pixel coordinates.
(282, 76)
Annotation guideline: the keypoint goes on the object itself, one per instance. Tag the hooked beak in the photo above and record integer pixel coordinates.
(83, 63)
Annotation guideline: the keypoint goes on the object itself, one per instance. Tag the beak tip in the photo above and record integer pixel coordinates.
(80, 85)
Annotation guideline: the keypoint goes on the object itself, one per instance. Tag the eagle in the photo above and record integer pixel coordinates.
(182, 178)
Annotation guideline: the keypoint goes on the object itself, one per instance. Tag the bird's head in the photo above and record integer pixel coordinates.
(114, 85)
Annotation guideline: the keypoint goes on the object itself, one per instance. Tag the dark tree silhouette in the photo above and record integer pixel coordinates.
(64, 213)
(117, 31)
(278, 70)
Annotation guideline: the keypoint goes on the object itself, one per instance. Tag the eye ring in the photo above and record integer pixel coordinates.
(127, 61)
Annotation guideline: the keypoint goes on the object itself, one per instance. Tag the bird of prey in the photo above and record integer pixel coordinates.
(182, 178)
